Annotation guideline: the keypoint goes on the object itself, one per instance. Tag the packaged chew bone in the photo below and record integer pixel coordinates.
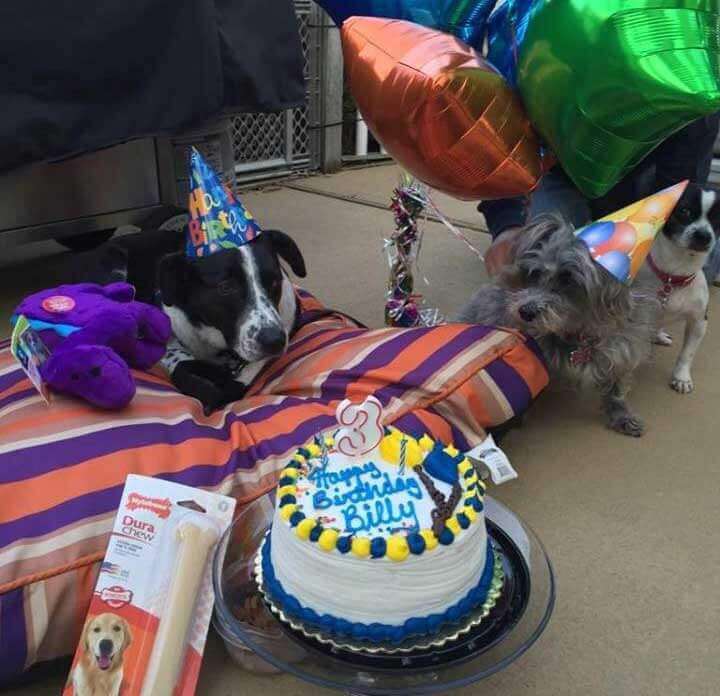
(148, 619)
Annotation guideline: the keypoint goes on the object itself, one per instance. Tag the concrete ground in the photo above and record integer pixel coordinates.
(631, 525)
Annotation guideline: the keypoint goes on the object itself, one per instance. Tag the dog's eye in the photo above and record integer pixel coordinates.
(96, 629)
(533, 275)
(685, 215)
(116, 629)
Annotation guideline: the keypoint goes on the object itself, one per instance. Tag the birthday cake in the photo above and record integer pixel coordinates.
(382, 546)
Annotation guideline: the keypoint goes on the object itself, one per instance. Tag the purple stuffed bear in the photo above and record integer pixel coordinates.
(93, 334)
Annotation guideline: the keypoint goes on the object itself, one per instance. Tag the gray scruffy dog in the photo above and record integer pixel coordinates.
(593, 330)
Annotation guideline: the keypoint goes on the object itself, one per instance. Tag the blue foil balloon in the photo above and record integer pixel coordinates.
(618, 263)
(465, 19)
(597, 233)
(506, 29)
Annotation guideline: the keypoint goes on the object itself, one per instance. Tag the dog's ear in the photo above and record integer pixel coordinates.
(284, 246)
(172, 278)
(84, 635)
(127, 634)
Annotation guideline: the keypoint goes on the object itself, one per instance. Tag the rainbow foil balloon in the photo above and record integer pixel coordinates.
(621, 241)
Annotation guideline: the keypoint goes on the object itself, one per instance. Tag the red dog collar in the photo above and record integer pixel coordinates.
(669, 282)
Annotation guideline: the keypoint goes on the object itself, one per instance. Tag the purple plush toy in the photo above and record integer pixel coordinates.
(94, 333)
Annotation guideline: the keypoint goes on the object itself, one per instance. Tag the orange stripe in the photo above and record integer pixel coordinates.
(529, 367)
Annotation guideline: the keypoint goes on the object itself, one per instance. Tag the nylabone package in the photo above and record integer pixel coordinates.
(148, 620)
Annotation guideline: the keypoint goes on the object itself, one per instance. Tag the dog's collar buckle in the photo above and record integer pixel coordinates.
(669, 282)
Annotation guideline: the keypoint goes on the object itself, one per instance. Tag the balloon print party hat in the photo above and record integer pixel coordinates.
(621, 241)
(218, 220)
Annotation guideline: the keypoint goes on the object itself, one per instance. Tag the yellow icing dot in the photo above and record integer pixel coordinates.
(305, 527)
(470, 513)
(328, 539)
(289, 473)
(464, 466)
(426, 442)
(329, 442)
(286, 490)
(286, 511)
(471, 480)
(300, 458)
(390, 449)
(482, 485)
(453, 525)
(430, 539)
(361, 546)
(314, 450)
(397, 548)
(452, 451)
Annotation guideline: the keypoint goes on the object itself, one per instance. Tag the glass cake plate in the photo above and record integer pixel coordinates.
(487, 643)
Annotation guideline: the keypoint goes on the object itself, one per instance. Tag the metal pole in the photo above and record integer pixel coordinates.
(331, 97)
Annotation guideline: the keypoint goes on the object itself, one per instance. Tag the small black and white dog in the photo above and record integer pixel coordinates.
(230, 312)
(674, 270)
(593, 330)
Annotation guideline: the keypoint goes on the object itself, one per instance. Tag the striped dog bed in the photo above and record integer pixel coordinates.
(62, 467)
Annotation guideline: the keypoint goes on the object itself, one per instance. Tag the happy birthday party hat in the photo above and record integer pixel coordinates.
(218, 220)
(621, 241)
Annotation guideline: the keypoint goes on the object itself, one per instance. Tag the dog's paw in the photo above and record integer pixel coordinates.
(663, 338)
(682, 385)
(628, 424)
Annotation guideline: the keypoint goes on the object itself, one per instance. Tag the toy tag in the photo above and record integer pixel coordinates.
(490, 457)
(30, 351)
(58, 304)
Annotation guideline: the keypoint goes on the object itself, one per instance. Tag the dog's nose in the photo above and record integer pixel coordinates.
(529, 311)
(272, 340)
(701, 239)
(105, 646)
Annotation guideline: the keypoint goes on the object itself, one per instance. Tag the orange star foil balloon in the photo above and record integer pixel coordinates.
(442, 111)
(621, 241)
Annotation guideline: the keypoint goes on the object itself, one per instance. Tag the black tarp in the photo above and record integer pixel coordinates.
(77, 75)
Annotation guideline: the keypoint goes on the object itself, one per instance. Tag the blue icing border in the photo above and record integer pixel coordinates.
(376, 632)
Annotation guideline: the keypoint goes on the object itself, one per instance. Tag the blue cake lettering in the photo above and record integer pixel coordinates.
(367, 497)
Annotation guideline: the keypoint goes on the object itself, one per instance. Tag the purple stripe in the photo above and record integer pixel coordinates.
(203, 475)
(19, 396)
(434, 362)
(50, 521)
(336, 384)
(13, 636)
(10, 379)
(410, 424)
(535, 349)
(512, 385)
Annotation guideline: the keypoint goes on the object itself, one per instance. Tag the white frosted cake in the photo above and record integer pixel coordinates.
(379, 547)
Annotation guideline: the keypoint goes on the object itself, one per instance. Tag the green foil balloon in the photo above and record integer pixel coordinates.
(606, 81)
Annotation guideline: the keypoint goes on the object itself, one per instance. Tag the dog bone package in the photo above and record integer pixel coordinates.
(149, 616)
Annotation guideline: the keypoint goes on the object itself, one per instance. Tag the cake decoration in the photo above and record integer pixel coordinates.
(348, 515)
(361, 429)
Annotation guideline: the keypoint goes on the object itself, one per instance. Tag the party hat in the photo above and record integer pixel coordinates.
(621, 241)
(218, 220)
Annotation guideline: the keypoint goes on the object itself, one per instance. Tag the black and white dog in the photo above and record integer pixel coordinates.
(674, 269)
(231, 311)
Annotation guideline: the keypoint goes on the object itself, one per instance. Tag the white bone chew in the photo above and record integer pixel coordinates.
(194, 544)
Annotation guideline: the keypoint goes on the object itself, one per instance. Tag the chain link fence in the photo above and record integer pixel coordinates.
(270, 145)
